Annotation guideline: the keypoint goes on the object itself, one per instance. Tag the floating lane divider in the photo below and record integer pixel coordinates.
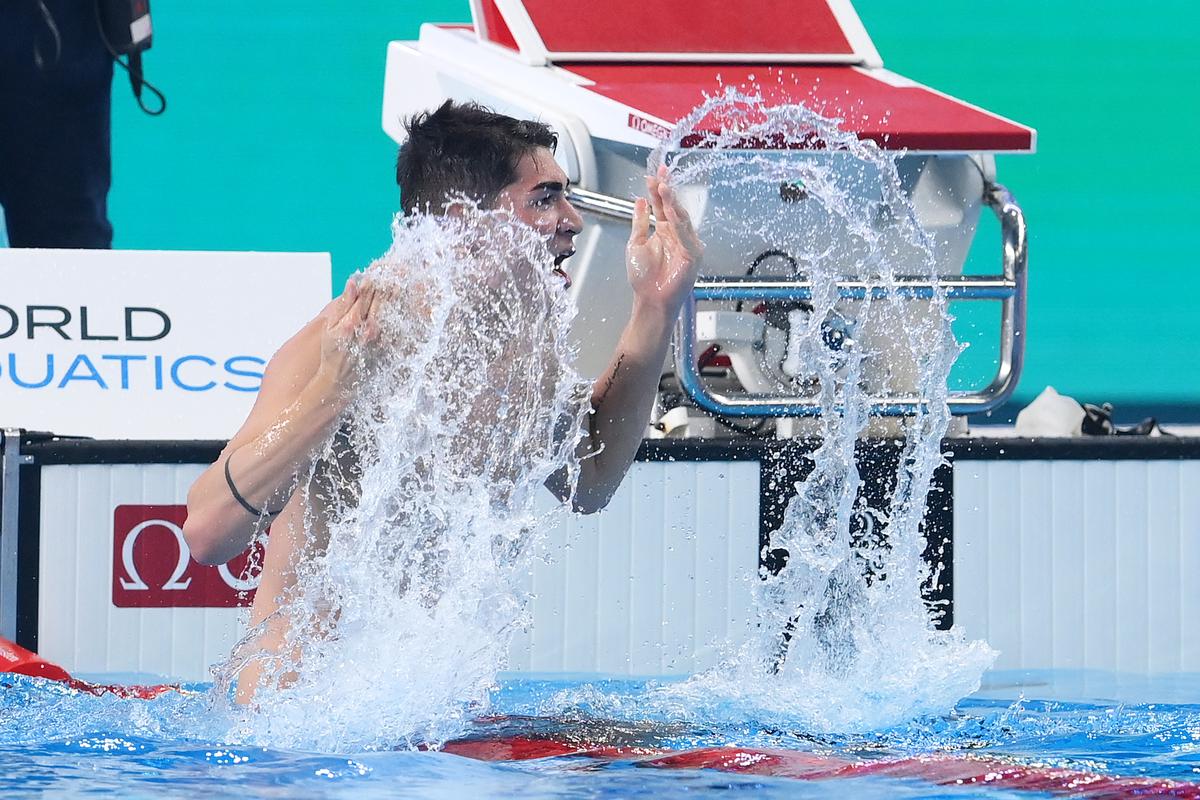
(939, 769)
(19, 661)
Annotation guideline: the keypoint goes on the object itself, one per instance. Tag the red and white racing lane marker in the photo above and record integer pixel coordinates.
(19, 661)
(940, 770)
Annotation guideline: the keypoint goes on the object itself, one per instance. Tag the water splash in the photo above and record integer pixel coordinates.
(842, 639)
(422, 507)
(399, 616)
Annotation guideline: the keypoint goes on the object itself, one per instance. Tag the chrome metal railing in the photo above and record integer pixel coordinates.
(1009, 288)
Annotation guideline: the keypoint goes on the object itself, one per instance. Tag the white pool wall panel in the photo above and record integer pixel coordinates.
(654, 584)
(650, 586)
(77, 623)
(1080, 564)
(1057, 563)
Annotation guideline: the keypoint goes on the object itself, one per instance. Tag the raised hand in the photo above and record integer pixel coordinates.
(662, 266)
(351, 325)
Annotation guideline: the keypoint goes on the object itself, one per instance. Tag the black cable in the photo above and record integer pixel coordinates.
(136, 77)
(754, 428)
(51, 26)
(757, 429)
(763, 256)
(987, 183)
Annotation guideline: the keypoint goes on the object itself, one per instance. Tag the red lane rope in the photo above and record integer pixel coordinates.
(19, 661)
(942, 770)
(524, 748)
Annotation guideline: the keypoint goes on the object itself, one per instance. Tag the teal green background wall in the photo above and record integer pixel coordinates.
(273, 142)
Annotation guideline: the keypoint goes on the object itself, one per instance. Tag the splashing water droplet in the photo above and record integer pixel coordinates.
(841, 639)
(422, 510)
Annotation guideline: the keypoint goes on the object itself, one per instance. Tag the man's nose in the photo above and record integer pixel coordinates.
(571, 223)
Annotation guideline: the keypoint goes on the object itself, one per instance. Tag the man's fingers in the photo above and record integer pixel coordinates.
(371, 331)
(640, 229)
(360, 298)
(675, 214)
(343, 329)
(681, 221)
(362, 306)
(376, 304)
(338, 306)
(654, 189)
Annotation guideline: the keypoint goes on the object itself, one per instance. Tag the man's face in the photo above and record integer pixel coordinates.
(538, 197)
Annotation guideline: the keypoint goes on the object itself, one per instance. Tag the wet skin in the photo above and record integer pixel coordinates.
(538, 197)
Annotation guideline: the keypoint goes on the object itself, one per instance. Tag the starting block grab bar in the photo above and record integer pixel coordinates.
(1009, 288)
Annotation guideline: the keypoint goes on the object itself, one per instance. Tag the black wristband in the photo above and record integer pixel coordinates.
(241, 500)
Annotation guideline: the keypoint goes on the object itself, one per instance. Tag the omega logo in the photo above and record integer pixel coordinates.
(153, 570)
(176, 582)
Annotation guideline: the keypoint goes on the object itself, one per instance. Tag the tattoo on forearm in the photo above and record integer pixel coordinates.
(612, 377)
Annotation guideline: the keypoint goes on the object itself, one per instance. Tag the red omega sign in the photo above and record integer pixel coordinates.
(153, 568)
(650, 127)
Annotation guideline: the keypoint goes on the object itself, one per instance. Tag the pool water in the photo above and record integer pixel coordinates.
(606, 737)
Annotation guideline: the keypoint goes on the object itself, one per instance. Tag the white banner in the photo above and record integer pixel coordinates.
(146, 344)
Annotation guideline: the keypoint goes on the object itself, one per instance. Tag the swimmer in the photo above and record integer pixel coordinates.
(457, 150)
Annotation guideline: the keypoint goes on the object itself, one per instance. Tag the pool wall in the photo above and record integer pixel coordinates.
(1061, 553)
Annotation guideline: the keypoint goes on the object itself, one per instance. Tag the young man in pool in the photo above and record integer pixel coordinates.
(504, 163)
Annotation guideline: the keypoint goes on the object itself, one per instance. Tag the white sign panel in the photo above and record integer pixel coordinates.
(146, 344)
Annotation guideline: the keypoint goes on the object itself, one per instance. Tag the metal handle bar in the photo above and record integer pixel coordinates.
(604, 205)
(1009, 288)
(955, 287)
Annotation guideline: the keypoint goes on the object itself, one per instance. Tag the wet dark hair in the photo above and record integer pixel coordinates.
(463, 148)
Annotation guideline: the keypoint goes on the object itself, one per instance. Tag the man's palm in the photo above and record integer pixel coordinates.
(662, 266)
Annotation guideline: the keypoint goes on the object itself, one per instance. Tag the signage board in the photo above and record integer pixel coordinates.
(152, 566)
(146, 344)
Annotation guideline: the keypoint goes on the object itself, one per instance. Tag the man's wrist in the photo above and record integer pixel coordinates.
(655, 312)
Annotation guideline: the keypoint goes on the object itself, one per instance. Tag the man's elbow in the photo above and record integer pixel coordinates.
(202, 541)
(201, 531)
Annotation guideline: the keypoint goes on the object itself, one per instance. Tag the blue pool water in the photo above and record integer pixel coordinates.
(55, 742)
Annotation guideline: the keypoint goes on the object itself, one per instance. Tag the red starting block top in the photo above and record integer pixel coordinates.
(876, 104)
(813, 31)
(659, 60)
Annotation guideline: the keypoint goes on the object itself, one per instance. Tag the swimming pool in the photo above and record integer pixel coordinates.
(1022, 733)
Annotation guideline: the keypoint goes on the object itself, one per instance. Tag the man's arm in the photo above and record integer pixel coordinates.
(662, 270)
(303, 394)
